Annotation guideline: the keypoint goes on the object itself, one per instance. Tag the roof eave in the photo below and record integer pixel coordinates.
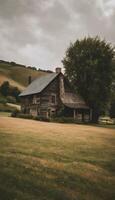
(28, 94)
(76, 107)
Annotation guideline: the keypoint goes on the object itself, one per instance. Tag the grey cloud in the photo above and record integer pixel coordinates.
(10, 9)
(37, 32)
(55, 19)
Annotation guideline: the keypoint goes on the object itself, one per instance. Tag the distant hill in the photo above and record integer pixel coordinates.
(18, 74)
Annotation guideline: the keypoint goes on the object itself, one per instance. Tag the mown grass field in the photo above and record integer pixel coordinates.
(49, 161)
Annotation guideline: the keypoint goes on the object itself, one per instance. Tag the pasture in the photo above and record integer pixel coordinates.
(17, 75)
(49, 161)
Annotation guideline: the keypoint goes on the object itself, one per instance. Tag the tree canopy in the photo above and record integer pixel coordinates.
(7, 90)
(89, 66)
(5, 87)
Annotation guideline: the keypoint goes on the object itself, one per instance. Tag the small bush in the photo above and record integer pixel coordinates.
(41, 118)
(25, 116)
(11, 99)
(15, 113)
(63, 120)
(3, 100)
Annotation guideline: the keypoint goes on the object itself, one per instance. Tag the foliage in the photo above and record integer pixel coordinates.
(61, 111)
(14, 91)
(112, 106)
(5, 88)
(25, 116)
(88, 65)
(11, 93)
(11, 99)
(41, 118)
(3, 100)
(15, 113)
(62, 119)
(112, 109)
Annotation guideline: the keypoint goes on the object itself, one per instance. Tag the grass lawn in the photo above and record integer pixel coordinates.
(5, 114)
(6, 108)
(104, 125)
(16, 106)
(49, 161)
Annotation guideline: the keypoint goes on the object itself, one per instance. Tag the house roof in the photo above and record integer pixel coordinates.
(39, 84)
(72, 100)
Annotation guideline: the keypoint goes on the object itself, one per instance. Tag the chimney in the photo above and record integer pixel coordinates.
(29, 79)
(58, 70)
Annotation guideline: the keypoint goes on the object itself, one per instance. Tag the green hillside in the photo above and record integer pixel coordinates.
(17, 74)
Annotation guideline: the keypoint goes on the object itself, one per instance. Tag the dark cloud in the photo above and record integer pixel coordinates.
(38, 32)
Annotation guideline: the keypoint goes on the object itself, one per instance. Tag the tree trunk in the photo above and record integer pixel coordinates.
(95, 116)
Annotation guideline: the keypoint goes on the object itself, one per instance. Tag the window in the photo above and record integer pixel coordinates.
(36, 100)
(53, 99)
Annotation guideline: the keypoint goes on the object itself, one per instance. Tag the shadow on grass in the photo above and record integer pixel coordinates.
(18, 181)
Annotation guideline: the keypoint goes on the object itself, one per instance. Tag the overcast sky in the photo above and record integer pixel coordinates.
(37, 32)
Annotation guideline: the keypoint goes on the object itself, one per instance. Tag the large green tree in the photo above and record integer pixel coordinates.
(88, 65)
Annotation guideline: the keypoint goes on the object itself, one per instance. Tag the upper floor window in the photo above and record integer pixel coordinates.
(53, 99)
(36, 100)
